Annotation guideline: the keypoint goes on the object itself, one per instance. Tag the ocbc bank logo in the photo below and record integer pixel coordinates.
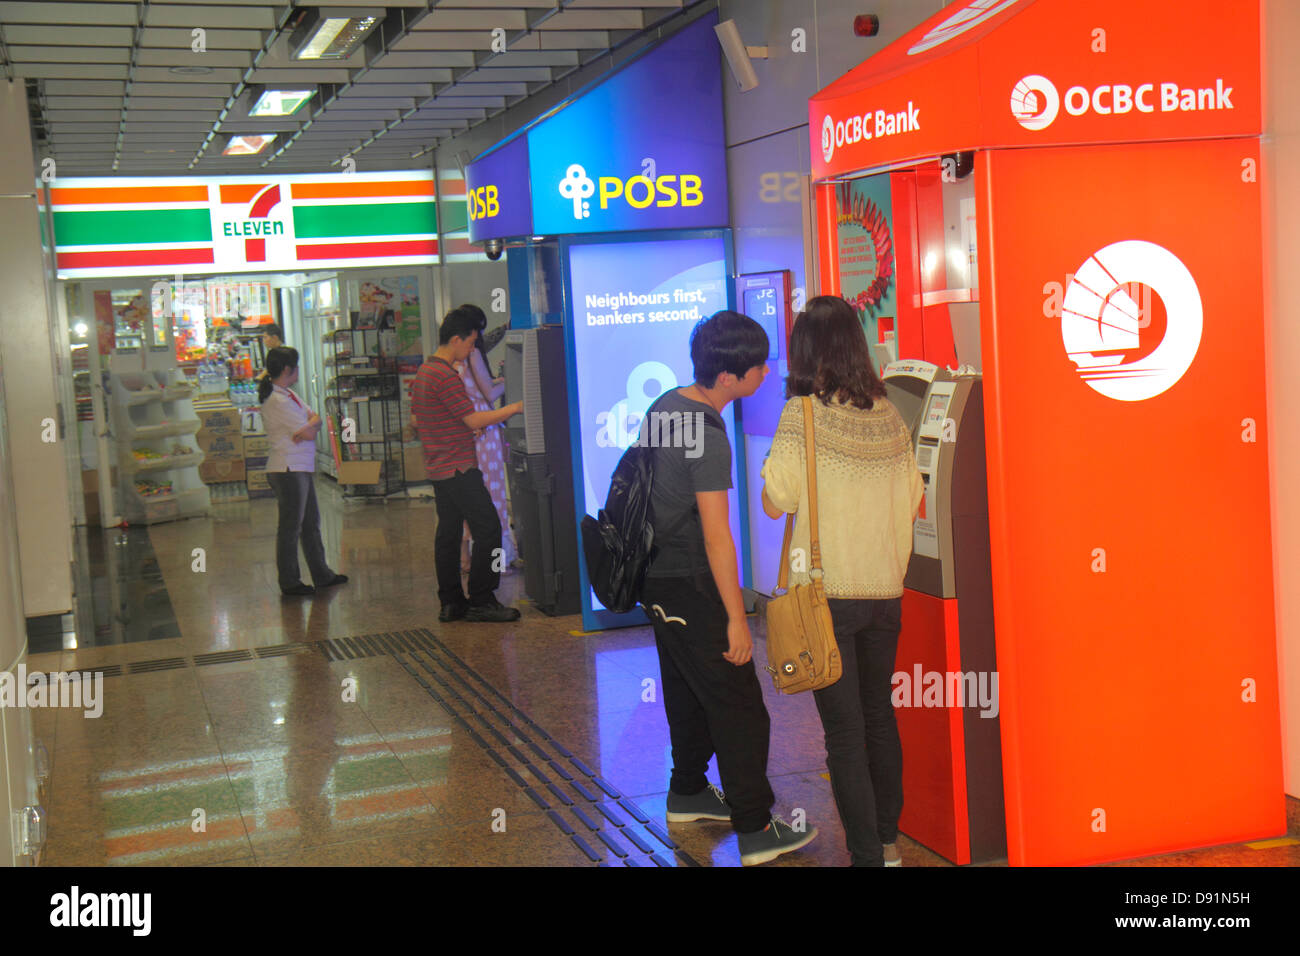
(1102, 326)
(828, 138)
(639, 192)
(1035, 101)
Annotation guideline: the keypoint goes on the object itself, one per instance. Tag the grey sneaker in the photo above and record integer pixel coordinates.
(892, 856)
(769, 843)
(708, 804)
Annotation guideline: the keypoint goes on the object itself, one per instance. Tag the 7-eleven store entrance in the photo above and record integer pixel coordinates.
(168, 287)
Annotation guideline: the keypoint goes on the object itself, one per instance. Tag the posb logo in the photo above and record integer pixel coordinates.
(483, 203)
(1110, 338)
(639, 192)
(1035, 102)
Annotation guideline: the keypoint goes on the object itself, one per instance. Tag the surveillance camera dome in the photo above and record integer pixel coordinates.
(494, 248)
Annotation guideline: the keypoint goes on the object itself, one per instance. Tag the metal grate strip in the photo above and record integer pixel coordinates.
(466, 696)
(148, 667)
(282, 650)
(222, 657)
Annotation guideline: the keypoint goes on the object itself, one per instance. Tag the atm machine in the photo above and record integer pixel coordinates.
(945, 686)
(540, 468)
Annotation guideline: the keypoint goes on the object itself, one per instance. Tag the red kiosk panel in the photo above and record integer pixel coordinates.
(1130, 553)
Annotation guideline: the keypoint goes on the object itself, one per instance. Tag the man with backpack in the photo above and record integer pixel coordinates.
(711, 692)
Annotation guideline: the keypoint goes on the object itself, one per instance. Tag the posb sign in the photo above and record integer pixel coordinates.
(484, 203)
(639, 192)
(1036, 103)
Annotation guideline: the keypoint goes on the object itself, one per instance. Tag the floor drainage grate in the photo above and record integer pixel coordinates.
(222, 657)
(281, 650)
(147, 667)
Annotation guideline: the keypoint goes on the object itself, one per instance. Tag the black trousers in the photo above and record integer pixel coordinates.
(713, 706)
(863, 752)
(461, 499)
(295, 493)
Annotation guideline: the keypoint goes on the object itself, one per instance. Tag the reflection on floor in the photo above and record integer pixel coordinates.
(121, 595)
(352, 729)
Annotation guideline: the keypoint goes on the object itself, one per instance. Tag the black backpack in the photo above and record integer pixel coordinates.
(619, 543)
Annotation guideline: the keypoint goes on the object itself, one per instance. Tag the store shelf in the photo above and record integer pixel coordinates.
(143, 396)
(169, 463)
(165, 430)
(155, 508)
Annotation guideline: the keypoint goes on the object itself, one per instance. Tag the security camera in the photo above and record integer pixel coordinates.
(494, 248)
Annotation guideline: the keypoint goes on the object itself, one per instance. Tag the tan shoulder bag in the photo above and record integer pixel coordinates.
(801, 650)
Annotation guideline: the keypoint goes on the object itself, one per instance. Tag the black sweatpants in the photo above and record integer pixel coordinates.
(463, 499)
(713, 706)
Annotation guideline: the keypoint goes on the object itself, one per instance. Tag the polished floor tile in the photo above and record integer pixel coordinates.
(470, 747)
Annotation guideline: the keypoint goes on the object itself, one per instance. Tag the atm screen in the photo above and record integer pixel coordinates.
(908, 396)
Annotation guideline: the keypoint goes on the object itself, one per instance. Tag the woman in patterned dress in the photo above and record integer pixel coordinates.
(484, 390)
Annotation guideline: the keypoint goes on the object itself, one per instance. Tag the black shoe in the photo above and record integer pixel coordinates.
(298, 590)
(493, 612)
(337, 579)
(452, 612)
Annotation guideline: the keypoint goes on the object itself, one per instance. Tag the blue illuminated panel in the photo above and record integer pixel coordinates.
(642, 150)
(496, 190)
(634, 306)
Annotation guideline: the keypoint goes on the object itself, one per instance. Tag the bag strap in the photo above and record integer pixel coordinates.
(811, 459)
(783, 575)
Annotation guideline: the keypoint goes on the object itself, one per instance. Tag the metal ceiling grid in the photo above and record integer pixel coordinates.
(133, 88)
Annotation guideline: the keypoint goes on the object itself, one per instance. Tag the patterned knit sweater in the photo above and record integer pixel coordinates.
(868, 490)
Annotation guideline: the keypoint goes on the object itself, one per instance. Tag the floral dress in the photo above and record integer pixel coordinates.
(491, 457)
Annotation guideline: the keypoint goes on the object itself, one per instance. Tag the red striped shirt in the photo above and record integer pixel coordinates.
(440, 403)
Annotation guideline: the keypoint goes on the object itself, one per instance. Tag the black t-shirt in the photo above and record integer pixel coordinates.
(690, 455)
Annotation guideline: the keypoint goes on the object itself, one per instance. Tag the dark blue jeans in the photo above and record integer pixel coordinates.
(863, 752)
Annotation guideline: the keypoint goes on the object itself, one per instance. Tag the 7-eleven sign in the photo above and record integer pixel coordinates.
(248, 216)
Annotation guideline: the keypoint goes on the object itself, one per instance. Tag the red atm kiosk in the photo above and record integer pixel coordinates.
(1066, 197)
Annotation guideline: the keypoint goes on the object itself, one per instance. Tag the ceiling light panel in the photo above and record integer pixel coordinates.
(280, 102)
(333, 33)
(249, 144)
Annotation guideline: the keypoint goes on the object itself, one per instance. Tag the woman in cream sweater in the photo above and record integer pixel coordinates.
(868, 490)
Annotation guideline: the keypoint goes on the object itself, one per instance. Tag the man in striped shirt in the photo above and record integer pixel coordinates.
(446, 421)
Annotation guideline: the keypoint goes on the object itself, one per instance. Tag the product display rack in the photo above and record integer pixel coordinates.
(154, 424)
(362, 385)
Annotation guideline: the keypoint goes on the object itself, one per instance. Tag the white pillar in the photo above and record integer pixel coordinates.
(38, 467)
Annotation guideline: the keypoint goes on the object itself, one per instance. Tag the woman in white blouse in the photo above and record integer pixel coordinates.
(868, 490)
(290, 470)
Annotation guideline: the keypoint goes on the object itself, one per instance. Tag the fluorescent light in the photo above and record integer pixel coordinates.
(328, 33)
(249, 145)
(279, 102)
